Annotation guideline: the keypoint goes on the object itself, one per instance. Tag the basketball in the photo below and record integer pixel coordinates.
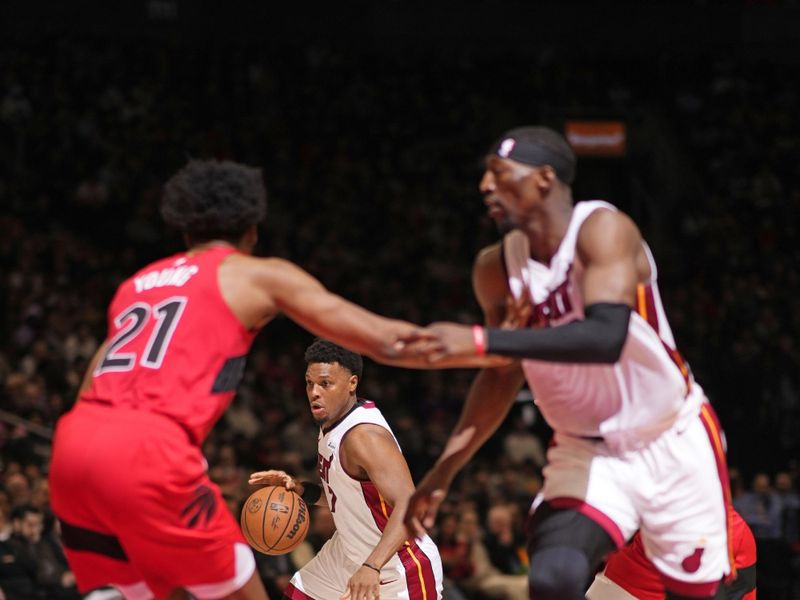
(274, 520)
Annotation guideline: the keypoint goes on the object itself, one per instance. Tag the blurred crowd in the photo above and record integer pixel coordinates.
(372, 166)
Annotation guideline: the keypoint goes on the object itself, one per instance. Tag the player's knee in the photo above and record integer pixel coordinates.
(558, 573)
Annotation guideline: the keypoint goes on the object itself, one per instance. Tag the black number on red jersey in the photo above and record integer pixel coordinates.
(131, 321)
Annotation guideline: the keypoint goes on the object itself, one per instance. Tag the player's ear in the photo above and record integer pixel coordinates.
(545, 177)
(353, 383)
(248, 240)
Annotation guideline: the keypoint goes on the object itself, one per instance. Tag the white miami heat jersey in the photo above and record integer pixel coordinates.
(628, 403)
(360, 512)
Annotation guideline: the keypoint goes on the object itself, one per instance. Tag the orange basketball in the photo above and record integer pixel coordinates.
(274, 520)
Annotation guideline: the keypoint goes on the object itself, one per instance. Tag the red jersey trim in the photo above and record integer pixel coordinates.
(594, 514)
(711, 425)
(646, 308)
(294, 594)
(416, 564)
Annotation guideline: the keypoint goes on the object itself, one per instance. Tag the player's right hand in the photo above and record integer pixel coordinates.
(273, 477)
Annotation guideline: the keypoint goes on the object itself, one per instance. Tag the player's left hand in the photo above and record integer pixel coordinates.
(365, 584)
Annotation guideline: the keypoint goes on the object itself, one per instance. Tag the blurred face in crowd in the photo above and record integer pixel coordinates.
(499, 519)
(470, 524)
(783, 482)
(512, 190)
(761, 483)
(331, 391)
(30, 526)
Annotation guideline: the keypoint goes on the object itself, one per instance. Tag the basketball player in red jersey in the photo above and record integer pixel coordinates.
(629, 574)
(128, 479)
(637, 447)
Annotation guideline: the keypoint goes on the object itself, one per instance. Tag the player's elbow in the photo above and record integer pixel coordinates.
(611, 322)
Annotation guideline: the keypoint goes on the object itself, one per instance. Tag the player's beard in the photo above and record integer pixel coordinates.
(504, 225)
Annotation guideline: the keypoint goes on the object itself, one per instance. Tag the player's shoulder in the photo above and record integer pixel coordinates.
(604, 216)
(605, 226)
(263, 266)
(489, 257)
(367, 435)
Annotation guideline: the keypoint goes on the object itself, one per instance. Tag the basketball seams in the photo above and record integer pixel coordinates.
(264, 519)
(245, 522)
(288, 521)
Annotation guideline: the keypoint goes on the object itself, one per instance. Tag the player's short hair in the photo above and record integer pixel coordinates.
(323, 351)
(538, 146)
(210, 199)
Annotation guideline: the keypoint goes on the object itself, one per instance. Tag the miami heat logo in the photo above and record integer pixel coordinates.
(323, 466)
(691, 563)
(506, 146)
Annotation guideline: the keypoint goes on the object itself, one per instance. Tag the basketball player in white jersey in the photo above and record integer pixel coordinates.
(367, 484)
(636, 445)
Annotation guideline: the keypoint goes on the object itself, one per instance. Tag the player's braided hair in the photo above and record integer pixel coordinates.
(323, 351)
(210, 199)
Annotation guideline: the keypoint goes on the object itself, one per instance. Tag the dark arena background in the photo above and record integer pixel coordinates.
(370, 122)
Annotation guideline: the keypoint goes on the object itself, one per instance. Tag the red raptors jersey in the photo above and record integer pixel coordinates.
(174, 347)
(632, 570)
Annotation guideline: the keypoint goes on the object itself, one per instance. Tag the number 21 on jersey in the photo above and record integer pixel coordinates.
(130, 322)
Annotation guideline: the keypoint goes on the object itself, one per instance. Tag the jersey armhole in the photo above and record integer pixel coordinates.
(228, 309)
(341, 445)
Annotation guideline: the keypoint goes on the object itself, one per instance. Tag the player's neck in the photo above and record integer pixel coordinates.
(334, 421)
(208, 245)
(546, 229)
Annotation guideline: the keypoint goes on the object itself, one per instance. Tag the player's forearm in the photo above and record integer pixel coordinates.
(487, 404)
(394, 536)
(599, 338)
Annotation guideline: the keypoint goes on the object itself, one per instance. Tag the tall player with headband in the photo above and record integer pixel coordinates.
(128, 478)
(636, 445)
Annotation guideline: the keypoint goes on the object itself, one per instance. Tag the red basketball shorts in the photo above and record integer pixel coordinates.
(136, 505)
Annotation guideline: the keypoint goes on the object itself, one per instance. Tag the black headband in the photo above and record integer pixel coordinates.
(531, 153)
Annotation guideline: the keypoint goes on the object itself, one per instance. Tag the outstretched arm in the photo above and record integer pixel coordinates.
(611, 249)
(488, 402)
(307, 302)
(369, 451)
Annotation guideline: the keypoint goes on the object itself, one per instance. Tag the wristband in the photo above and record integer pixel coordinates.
(479, 338)
(311, 492)
(369, 566)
